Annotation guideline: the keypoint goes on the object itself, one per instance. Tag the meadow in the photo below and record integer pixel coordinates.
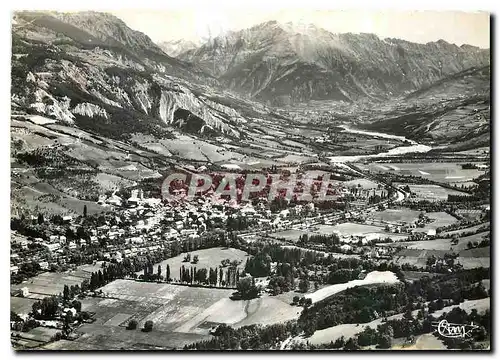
(431, 192)
(436, 171)
(206, 258)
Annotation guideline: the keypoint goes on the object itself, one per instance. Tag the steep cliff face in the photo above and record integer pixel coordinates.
(109, 88)
(280, 62)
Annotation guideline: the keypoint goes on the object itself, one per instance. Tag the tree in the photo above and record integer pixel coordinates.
(15, 317)
(84, 210)
(40, 219)
(77, 305)
(159, 272)
(168, 273)
(303, 285)
(195, 259)
(385, 342)
(247, 289)
(45, 309)
(132, 325)
(148, 326)
(66, 292)
(351, 344)
(295, 299)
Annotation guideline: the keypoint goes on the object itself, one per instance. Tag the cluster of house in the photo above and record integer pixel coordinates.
(411, 227)
(150, 226)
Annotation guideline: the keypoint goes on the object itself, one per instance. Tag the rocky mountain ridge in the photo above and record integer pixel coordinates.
(91, 69)
(281, 64)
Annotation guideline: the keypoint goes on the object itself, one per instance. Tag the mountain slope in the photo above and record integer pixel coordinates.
(281, 63)
(97, 107)
(90, 70)
(451, 111)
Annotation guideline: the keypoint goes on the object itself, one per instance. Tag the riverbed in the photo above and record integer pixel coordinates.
(400, 150)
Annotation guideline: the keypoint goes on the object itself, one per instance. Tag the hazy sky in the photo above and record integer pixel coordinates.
(418, 26)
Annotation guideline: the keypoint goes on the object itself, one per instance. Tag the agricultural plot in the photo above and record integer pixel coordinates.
(439, 219)
(440, 172)
(33, 338)
(402, 215)
(474, 258)
(42, 195)
(417, 275)
(443, 244)
(431, 192)
(466, 230)
(181, 314)
(362, 183)
(100, 337)
(481, 305)
(469, 259)
(348, 228)
(290, 234)
(354, 229)
(21, 305)
(294, 159)
(326, 254)
(472, 214)
(48, 284)
(206, 258)
(416, 257)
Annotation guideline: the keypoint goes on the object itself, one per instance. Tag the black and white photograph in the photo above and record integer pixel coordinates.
(247, 179)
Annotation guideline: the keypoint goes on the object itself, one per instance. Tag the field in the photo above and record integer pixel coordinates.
(443, 244)
(416, 257)
(47, 283)
(394, 216)
(473, 258)
(440, 219)
(354, 229)
(431, 192)
(440, 172)
(326, 254)
(417, 252)
(33, 338)
(472, 214)
(206, 258)
(481, 305)
(466, 230)
(365, 184)
(344, 229)
(21, 305)
(181, 315)
(29, 192)
(290, 234)
(374, 277)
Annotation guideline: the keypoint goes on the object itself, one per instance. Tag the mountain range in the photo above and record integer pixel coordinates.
(97, 106)
(283, 64)
(91, 69)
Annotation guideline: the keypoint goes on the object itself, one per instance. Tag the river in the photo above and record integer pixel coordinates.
(413, 148)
